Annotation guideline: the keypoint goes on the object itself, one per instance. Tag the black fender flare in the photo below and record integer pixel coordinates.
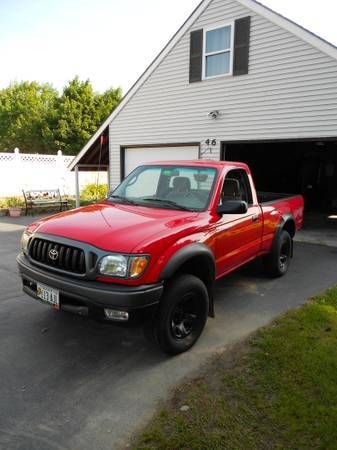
(184, 255)
(286, 220)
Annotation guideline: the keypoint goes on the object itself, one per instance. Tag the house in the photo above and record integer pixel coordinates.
(236, 82)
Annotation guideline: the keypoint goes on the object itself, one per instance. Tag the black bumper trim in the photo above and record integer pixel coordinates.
(92, 292)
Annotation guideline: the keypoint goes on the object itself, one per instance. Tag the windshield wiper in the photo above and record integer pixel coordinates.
(167, 202)
(123, 199)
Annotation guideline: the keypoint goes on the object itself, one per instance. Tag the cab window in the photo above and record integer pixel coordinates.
(236, 187)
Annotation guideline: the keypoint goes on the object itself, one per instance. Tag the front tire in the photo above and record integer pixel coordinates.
(278, 261)
(182, 314)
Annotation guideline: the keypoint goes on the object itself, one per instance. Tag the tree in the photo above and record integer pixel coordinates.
(80, 112)
(107, 102)
(35, 118)
(26, 110)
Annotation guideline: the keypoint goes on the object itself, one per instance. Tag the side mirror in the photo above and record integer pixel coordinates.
(232, 207)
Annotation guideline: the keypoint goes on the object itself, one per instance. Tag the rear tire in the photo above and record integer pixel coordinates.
(182, 314)
(278, 261)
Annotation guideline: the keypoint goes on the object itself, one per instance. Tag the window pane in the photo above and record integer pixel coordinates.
(219, 39)
(191, 186)
(159, 186)
(146, 183)
(217, 64)
(200, 179)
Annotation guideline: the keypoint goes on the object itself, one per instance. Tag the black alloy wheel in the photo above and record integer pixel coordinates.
(277, 262)
(285, 254)
(182, 314)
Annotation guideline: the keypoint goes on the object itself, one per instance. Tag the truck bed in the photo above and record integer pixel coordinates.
(284, 204)
(270, 197)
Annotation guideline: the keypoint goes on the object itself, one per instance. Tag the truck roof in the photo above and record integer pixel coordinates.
(200, 162)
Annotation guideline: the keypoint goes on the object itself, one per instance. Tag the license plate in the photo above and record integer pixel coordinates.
(48, 295)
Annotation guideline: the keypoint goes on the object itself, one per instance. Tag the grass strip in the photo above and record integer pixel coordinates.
(277, 390)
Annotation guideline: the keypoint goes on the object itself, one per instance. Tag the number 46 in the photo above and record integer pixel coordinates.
(211, 142)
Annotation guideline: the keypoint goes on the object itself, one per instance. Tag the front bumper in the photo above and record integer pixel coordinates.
(91, 294)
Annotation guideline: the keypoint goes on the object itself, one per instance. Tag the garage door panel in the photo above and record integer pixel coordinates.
(137, 156)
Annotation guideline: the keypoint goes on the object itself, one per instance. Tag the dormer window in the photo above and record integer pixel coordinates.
(218, 51)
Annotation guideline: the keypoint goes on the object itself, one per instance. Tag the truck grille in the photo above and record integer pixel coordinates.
(56, 255)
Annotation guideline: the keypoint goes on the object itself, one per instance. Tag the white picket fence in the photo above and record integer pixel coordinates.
(34, 171)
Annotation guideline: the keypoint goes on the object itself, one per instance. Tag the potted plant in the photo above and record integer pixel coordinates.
(3, 208)
(14, 206)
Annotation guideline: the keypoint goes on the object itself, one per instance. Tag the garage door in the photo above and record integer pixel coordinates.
(136, 156)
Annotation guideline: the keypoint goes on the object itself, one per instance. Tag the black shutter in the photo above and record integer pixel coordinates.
(241, 46)
(196, 42)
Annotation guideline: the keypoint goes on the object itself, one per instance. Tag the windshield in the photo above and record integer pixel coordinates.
(171, 187)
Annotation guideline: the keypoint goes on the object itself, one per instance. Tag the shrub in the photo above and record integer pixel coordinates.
(14, 202)
(93, 192)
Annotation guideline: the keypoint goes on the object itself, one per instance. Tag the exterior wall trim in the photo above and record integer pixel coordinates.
(141, 80)
(291, 26)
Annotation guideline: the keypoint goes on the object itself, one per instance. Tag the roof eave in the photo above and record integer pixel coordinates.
(148, 71)
(291, 26)
(253, 5)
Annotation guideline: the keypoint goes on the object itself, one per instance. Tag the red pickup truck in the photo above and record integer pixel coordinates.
(155, 247)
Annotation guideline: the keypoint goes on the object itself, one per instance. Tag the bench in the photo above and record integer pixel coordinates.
(38, 198)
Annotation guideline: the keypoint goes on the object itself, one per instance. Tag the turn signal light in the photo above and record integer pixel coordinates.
(138, 266)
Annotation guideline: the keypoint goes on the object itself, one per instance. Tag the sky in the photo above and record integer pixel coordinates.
(110, 42)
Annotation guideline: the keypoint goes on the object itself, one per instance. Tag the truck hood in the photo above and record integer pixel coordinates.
(115, 227)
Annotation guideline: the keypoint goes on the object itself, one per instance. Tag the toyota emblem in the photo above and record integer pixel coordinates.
(53, 254)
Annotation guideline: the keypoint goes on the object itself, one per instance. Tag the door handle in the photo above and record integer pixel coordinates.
(255, 218)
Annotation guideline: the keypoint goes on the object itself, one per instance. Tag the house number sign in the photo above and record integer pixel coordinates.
(209, 143)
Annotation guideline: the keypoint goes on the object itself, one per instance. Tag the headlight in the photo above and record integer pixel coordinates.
(123, 266)
(114, 265)
(24, 241)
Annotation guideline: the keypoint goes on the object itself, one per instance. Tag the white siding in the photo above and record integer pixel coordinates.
(290, 92)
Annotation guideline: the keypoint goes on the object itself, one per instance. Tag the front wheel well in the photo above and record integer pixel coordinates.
(290, 227)
(203, 268)
(200, 267)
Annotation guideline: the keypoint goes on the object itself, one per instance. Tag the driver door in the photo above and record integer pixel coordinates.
(238, 236)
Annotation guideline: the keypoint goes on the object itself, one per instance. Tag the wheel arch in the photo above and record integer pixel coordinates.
(196, 259)
(287, 223)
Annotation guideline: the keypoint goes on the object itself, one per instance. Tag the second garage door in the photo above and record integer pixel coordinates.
(135, 156)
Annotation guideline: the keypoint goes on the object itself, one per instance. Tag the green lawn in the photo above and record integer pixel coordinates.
(276, 391)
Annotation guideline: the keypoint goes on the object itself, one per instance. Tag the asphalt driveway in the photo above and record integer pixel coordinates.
(67, 382)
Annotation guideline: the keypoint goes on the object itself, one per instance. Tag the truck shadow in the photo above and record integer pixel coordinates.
(83, 347)
(250, 274)
(72, 337)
